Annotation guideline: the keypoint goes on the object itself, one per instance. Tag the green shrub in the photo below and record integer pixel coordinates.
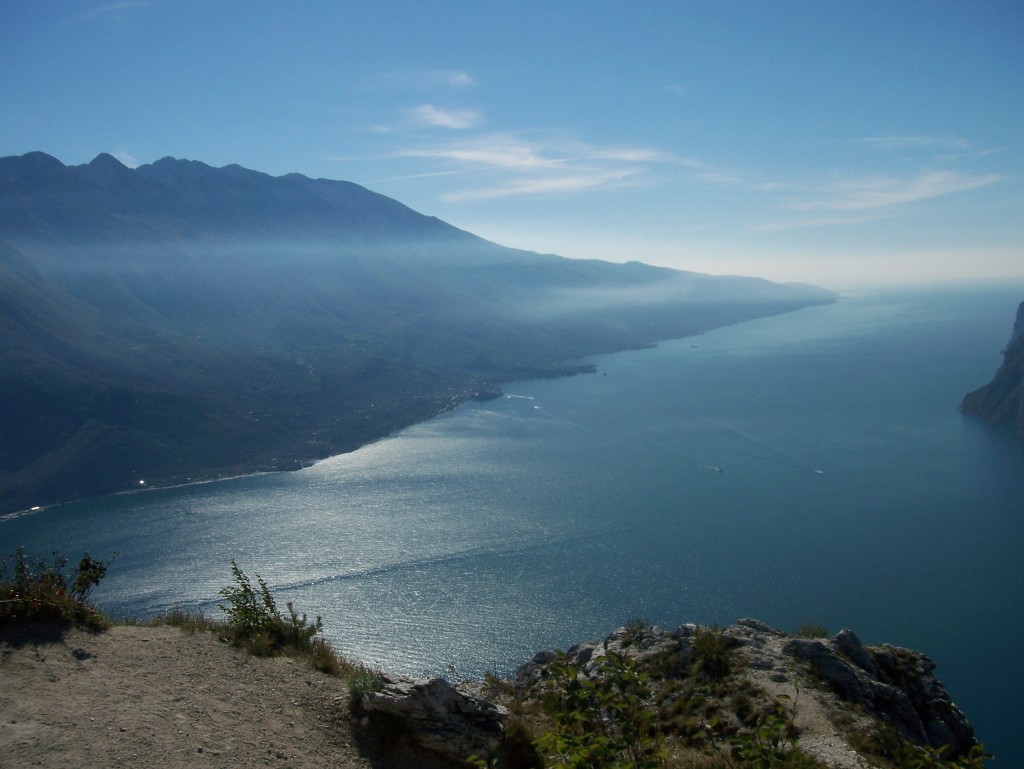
(255, 622)
(712, 656)
(885, 742)
(600, 719)
(811, 630)
(362, 681)
(41, 591)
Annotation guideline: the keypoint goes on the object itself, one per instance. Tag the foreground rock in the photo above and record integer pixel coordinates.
(447, 719)
(895, 684)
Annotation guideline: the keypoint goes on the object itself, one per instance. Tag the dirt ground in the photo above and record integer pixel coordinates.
(160, 697)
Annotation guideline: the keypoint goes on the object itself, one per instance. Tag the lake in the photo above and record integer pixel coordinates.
(810, 467)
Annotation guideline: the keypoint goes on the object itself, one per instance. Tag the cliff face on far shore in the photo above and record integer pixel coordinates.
(1000, 400)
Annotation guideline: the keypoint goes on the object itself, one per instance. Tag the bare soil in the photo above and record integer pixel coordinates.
(160, 697)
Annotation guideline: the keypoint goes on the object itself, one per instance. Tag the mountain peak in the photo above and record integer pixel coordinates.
(29, 164)
(173, 171)
(106, 160)
(106, 171)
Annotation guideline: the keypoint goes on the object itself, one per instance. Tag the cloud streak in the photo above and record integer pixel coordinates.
(505, 165)
(877, 192)
(116, 8)
(429, 115)
(914, 141)
(861, 199)
(546, 186)
(431, 78)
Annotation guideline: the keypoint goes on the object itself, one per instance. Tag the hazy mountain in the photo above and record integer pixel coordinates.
(179, 321)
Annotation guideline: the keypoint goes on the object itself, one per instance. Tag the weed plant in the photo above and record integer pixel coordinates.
(256, 623)
(712, 656)
(600, 718)
(811, 630)
(47, 592)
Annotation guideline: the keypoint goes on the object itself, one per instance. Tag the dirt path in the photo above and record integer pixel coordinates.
(161, 697)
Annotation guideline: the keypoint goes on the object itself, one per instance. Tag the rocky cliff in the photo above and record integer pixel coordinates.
(1000, 400)
(700, 694)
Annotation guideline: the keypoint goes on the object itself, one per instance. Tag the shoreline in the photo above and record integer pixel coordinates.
(480, 389)
(481, 392)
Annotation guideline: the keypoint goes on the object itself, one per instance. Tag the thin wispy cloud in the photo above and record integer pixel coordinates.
(557, 164)
(431, 78)
(459, 119)
(914, 141)
(125, 157)
(938, 148)
(545, 186)
(858, 200)
(504, 165)
(873, 192)
(116, 8)
(820, 221)
(494, 151)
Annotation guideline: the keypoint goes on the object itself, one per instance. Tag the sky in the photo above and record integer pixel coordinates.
(836, 143)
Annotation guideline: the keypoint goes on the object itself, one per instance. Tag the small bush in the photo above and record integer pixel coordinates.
(255, 622)
(41, 591)
(885, 742)
(712, 656)
(600, 719)
(811, 630)
(362, 681)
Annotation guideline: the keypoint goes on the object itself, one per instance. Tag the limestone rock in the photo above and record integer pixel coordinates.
(895, 684)
(440, 717)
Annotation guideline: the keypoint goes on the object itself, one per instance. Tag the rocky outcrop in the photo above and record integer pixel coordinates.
(446, 719)
(826, 676)
(827, 685)
(896, 685)
(1001, 400)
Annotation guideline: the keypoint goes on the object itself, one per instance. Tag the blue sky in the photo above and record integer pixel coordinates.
(838, 143)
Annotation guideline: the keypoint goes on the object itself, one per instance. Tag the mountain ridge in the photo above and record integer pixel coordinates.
(177, 322)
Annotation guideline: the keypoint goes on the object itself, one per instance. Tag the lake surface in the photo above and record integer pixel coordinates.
(806, 468)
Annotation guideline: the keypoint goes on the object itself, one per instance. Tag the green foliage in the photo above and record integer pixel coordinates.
(362, 681)
(771, 743)
(887, 743)
(811, 630)
(633, 628)
(256, 623)
(42, 591)
(712, 656)
(926, 757)
(601, 719)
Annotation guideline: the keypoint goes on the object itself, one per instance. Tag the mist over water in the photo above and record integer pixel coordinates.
(808, 467)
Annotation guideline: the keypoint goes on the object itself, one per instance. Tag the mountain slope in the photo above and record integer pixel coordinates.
(178, 321)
